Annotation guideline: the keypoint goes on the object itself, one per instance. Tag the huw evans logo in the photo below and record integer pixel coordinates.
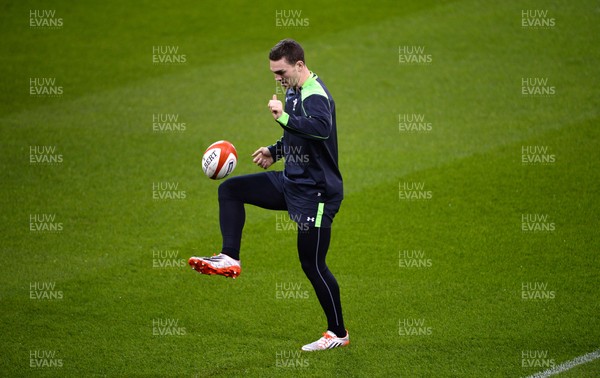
(44, 155)
(291, 359)
(536, 223)
(290, 18)
(536, 291)
(44, 359)
(294, 222)
(279, 90)
(44, 223)
(167, 259)
(44, 87)
(414, 191)
(537, 19)
(413, 259)
(165, 190)
(293, 155)
(167, 122)
(410, 55)
(167, 55)
(537, 359)
(290, 290)
(413, 327)
(44, 291)
(537, 155)
(413, 123)
(537, 87)
(167, 327)
(44, 19)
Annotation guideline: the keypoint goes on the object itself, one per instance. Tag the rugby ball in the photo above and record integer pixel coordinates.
(219, 160)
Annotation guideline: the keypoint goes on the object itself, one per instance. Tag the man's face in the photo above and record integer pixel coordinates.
(288, 75)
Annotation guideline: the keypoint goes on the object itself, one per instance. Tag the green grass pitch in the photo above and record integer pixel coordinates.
(467, 244)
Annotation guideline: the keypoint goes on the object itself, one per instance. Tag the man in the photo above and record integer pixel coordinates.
(309, 188)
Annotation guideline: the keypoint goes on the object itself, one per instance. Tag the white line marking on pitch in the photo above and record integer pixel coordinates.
(568, 365)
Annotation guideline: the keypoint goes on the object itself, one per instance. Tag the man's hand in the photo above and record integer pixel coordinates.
(262, 157)
(276, 107)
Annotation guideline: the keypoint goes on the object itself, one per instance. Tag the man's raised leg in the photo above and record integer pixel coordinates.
(260, 189)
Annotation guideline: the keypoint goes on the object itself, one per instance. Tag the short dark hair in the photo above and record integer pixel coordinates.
(288, 49)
